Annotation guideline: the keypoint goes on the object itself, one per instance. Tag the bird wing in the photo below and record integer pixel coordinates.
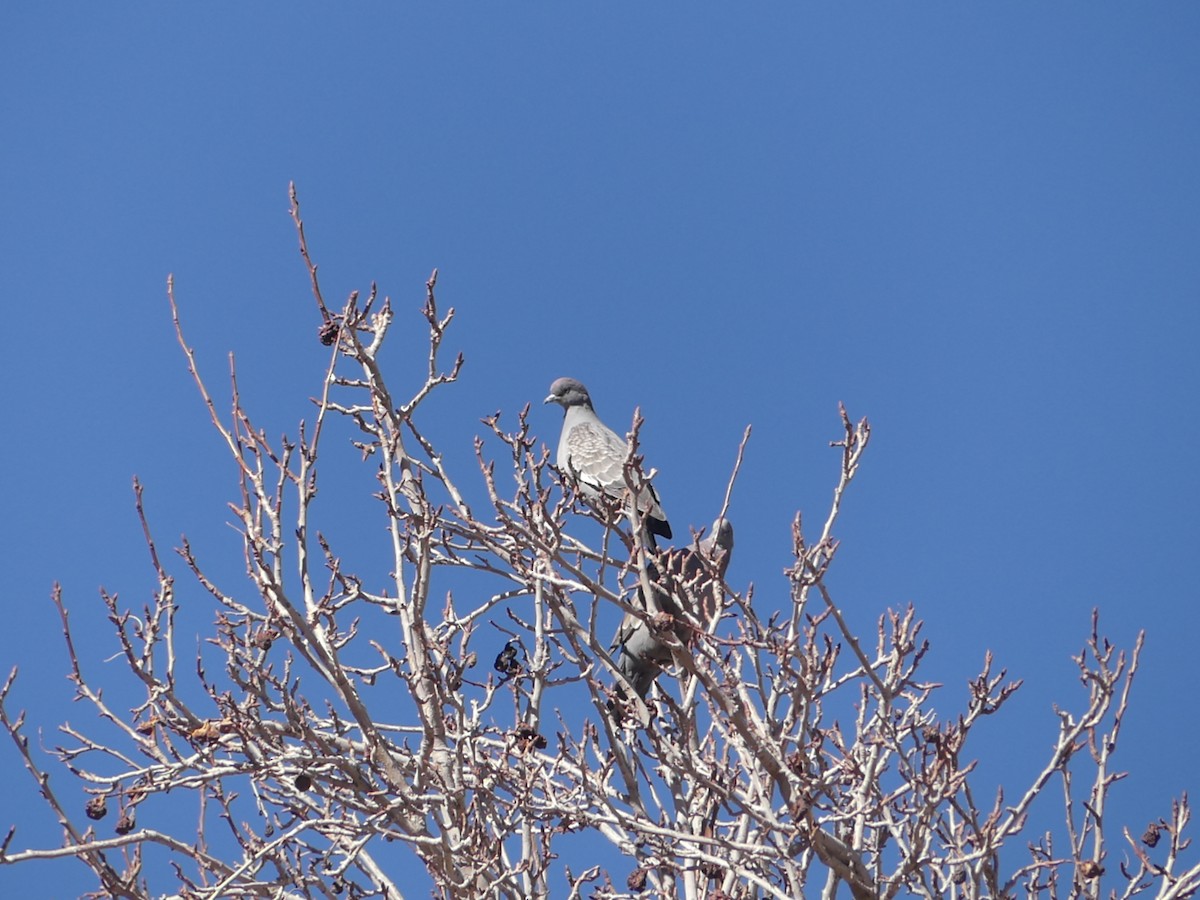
(596, 457)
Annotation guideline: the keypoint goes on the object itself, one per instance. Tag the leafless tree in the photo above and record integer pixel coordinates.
(356, 721)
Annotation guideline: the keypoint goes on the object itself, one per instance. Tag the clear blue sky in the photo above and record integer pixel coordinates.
(976, 224)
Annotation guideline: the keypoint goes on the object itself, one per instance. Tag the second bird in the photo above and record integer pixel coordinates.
(691, 578)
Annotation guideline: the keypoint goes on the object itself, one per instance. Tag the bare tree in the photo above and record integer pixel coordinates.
(331, 743)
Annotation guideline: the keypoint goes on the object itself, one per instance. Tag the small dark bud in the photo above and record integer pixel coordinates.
(636, 880)
(95, 809)
(125, 823)
(303, 781)
(1151, 834)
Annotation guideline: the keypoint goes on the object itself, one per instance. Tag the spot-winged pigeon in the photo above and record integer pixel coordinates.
(690, 575)
(593, 455)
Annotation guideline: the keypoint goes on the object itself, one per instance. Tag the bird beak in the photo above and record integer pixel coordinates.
(550, 399)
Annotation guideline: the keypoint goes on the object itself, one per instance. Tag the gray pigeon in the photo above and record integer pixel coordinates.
(690, 575)
(593, 455)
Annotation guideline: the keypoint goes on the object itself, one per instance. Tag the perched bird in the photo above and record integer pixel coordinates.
(692, 575)
(593, 455)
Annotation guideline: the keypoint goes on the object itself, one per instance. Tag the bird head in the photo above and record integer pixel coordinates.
(568, 392)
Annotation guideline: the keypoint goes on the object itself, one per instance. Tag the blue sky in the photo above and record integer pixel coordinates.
(978, 225)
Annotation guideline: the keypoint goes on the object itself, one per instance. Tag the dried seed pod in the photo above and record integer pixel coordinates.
(527, 737)
(797, 762)
(800, 806)
(711, 869)
(96, 809)
(125, 824)
(1151, 834)
(264, 637)
(662, 622)
(209, 732)
(303, 781)
(1089, 868)
(507, 663)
